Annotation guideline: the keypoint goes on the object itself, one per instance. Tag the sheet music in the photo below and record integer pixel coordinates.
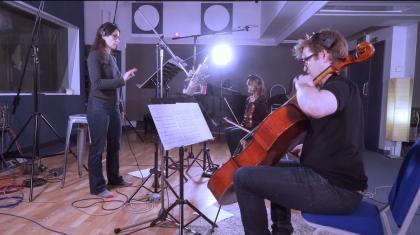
(179, 124)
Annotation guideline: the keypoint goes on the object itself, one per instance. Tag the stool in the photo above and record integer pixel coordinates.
(81, 120)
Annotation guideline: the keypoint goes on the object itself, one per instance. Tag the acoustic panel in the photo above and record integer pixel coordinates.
(216, 17)
(145, 17)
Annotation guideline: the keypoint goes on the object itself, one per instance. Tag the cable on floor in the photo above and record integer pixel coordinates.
(35, 222)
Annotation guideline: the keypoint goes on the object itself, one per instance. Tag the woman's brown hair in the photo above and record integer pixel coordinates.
(259, 82)
(105, 29)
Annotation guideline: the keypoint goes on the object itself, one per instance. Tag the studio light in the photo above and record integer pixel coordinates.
(221, 54)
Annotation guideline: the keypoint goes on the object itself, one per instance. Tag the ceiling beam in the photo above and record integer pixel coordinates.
(290, 17)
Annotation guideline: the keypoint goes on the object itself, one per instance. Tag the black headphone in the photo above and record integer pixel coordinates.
(105, 26)
(327, 41)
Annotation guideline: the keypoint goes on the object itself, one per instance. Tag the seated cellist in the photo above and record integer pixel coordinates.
(331, 172)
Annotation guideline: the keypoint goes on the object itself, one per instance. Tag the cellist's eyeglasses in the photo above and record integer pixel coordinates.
(306, 59)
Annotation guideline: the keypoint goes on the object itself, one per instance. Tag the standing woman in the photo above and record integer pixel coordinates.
(256, 109)
(104, 110)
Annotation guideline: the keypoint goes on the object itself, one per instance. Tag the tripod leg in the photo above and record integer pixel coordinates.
(51, 127)
(35, 155)
(215, 219)
(211, 167)
(205, 153)
(138, 189)
(217, 215)
(156, 179)
(162, 216)
(12, 135)
(18, 135)
(195, 159)
(118, 230)
(181, 190)
(158, 175)
(167, 164)
(209, 161)
(213, 224)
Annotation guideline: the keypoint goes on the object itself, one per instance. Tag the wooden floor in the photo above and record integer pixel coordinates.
(52, 206)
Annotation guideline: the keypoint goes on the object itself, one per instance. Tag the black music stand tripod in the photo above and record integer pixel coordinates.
(173, 136)
(181, 201)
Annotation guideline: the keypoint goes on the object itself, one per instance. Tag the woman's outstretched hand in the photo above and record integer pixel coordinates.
(129, 74)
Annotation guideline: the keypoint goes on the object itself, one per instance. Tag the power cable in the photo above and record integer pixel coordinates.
(35, 222)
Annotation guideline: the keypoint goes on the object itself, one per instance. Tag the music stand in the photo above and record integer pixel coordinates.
(170, 70)
(170, 122)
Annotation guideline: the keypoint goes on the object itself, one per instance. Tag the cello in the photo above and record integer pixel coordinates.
(272, 138)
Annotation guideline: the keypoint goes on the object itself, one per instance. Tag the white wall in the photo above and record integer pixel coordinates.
(181, 17)
(404, 40)
(399, 62)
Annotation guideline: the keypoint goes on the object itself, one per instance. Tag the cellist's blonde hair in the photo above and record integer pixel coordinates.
(330, 40)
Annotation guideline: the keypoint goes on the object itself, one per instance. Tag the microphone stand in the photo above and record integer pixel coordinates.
(38, 116)
(195, 36)
(206, 156)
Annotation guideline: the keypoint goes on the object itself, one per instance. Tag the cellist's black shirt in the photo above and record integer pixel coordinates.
(334, 144)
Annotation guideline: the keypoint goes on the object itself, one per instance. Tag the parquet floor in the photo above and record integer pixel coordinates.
(52, 205)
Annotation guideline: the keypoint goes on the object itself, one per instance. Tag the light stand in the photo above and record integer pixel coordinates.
(206, 155)
(36, 114)
(191, 154)
(207, 164)
(220, 106)
(211, 167)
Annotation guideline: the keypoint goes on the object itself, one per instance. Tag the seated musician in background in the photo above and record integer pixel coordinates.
(331, 174)
(256, 109)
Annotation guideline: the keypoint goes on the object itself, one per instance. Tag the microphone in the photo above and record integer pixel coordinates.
(177, 61)
(195, 78)
(247, 27)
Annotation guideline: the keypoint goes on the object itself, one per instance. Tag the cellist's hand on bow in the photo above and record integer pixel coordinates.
(303, 81)
(314, 102)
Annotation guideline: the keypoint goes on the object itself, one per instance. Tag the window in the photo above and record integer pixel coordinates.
(58, 46)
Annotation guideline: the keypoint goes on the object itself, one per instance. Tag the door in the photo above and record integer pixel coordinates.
(368, 76)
